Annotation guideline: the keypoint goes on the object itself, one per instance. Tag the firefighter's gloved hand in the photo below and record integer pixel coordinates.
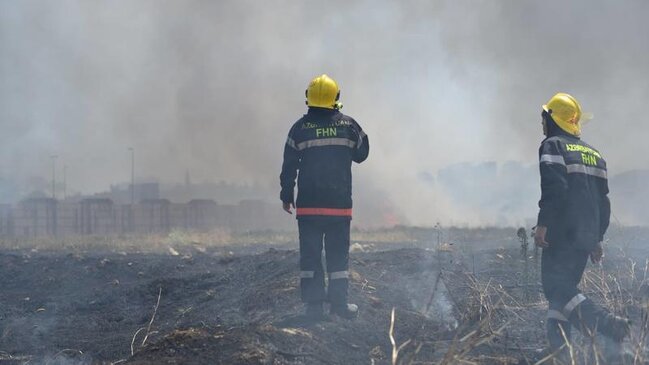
(539, 237)
(597, 254)
(287, 207)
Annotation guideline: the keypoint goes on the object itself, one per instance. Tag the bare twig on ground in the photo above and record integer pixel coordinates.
(395, 349)
(133, 340)
(148, 327)
(155, 310)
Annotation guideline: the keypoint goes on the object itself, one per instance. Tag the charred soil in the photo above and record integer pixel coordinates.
(214, 307)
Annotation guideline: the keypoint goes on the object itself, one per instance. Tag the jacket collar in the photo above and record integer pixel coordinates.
(321, 111)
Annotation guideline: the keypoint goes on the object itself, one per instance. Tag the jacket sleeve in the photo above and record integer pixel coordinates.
(362, 149)
(554, 182)
(604, 211)
(290, 167)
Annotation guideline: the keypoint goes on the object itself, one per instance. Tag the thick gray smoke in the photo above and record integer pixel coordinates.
(212, 87)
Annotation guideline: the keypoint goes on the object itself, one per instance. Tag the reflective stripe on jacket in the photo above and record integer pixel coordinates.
(574, 185)
(321, 146)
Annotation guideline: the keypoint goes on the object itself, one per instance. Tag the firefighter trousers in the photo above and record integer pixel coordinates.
(332, 233)
(561, 270)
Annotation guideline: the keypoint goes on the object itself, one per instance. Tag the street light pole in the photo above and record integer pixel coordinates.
(53, 157)
(131, 207)
(65, 182)
(132, 175)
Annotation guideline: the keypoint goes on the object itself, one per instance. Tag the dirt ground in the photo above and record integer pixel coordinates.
(195, 305)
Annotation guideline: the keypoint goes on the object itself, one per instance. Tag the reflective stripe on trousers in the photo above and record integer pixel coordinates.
(572, 304)
(338, 275)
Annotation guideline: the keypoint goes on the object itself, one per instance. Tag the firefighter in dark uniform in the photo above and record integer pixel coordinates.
(322, 146)
(573, 218)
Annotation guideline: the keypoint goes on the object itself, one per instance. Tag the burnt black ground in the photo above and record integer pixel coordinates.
(219, 307)
(95, 303)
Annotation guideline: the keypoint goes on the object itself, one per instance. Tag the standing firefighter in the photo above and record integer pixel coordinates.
(573, 217)
(322, 145)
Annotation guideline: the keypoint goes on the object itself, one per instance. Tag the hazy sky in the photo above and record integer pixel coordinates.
(214, 86)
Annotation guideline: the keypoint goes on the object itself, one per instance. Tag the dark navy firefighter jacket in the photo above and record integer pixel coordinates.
(574, 203)
(321, 146)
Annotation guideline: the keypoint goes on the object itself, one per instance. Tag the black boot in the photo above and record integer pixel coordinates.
(589, 317)
(615, 353)
(346, 311)
(558, 333)
(615, 327)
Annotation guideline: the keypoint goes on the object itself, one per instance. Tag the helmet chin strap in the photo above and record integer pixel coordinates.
(338, 105)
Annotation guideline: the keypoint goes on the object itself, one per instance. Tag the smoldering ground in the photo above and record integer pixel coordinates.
(237, 304)
(212, 87)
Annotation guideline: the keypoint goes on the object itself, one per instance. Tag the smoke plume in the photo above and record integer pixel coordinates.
(212, 87)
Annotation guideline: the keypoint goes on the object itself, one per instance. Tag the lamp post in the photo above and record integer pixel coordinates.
(132, 206)
(53, 157)
(65, 182)
(132, 175)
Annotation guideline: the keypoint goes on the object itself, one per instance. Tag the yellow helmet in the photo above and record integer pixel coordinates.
(566, 112)
(323, 92)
